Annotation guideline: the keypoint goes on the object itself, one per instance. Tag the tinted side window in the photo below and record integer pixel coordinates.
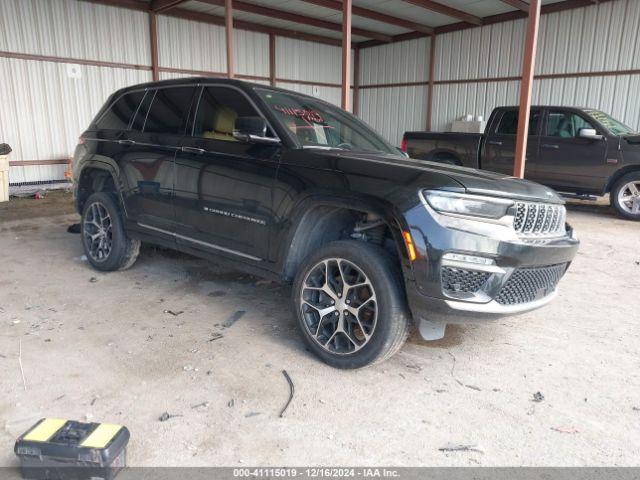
(118, 116)
(169, 111)
(217, 112)
(141, 115)
(565, 124)
(509, 122)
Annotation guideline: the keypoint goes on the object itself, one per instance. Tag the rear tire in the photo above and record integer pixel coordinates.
(350, 304)
(106, 243)
(625, 196)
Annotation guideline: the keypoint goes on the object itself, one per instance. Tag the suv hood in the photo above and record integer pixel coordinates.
(475, 181)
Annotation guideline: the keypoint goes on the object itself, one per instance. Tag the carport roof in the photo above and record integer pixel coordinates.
(374, 22)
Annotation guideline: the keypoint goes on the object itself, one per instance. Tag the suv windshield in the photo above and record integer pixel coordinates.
(317, 124)
(610, 123)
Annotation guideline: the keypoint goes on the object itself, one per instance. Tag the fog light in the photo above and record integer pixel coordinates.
(460, 257)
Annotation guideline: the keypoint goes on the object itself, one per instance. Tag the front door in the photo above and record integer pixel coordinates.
(500, 144)
(567, 161)
(223, 194)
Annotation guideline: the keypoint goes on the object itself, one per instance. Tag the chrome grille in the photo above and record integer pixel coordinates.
(528, 284)
(539, 219)
(460, 280)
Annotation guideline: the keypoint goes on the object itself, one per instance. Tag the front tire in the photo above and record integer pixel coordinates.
(350, 304)
(106, 243)
(625, 196)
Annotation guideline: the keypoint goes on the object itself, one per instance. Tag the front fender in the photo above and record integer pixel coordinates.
(310, 208)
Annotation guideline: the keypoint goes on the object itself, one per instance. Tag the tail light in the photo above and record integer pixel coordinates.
(403, 146)
(81, 141)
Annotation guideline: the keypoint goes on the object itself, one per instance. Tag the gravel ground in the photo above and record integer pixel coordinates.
(106, 347)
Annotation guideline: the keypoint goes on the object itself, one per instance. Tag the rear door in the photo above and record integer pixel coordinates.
(148, 168)
(500, 144)
(567, 161)
(224, 186)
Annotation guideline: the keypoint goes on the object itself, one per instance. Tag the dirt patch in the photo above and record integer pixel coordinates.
(107, 351)
(57, 202)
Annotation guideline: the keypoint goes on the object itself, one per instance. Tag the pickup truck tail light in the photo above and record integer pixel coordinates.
(403, 146)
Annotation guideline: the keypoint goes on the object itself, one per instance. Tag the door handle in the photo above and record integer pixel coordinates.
(126, 142)
(494, 142)
(550, 145)
(197, 151)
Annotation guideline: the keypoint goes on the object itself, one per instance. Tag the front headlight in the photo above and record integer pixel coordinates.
(467, 205)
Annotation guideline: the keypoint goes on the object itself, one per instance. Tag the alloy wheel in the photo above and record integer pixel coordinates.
(98, 232)
(339, 306)
(629, 197)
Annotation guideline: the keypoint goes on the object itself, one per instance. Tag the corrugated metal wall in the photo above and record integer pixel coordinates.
(599, 38)
(44, 109)
(451, 101)
(201, 47)
(310, 62)
(393, 110)
(191, 45)
(67, 28)
(307, 61)
(484, 52)
(328, 94)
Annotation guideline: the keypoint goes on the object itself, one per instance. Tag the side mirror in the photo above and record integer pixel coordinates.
(589, 133)
(5, 149)
(252, 130)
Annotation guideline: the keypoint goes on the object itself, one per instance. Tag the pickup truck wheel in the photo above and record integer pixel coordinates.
(350, 305)
(104, 238)
(625, 196)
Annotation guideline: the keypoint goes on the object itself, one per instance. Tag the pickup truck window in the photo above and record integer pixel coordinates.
(320, 125)
(565, 124)
(610, 123)
(509, 123)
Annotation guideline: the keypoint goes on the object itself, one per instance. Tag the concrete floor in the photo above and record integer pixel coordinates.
(104, 347)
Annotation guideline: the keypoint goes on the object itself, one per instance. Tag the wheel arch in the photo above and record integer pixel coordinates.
(618, 175)
(96, 176)
(322, 220)
(443, 155)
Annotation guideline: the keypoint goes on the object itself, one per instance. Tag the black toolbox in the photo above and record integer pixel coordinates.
(56, 449)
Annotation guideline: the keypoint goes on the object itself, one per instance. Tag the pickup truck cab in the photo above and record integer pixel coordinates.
(580, 151)
(289, 187)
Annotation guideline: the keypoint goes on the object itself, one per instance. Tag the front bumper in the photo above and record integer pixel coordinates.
(519, 275)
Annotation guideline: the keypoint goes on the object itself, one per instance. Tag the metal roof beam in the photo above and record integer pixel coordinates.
(294, 17)
(446, 10)
(517, 4)
(129, 4)
(254, 27)
(515, 15)
(163, 5)
(373, 15)
(216, 20)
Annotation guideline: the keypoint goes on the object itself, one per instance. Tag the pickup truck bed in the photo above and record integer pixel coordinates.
(577, 151)
(451, 148)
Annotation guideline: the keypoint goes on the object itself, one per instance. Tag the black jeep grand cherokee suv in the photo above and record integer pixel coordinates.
(290, 187)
